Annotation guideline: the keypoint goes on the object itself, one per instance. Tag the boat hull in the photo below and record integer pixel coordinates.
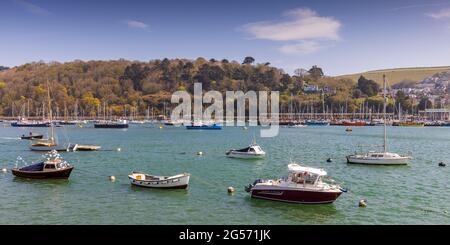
(49, 148)
(181, 182)
(30, 125)
(110, 125)
(32, 137)
(55, 174)
(215, 127)
(245, 155)
(372, 161)
(355, 124)
(295, 195)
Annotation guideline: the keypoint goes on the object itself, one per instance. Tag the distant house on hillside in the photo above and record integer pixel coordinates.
(311, 88)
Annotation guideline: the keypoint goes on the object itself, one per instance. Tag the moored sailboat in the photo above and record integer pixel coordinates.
(50, 143)
(380, 158)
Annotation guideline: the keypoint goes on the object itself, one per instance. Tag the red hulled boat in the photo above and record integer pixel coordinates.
(355, 123)
(302, 185)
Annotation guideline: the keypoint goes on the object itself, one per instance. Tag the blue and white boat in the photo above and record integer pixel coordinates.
(205, 127)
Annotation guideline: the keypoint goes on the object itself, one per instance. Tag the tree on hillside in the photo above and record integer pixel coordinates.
(368, 87)
(248, 60)
(316, 72)
(403, 100)
(425, 103)
(225, 61)
(300, 72)
(135, 73)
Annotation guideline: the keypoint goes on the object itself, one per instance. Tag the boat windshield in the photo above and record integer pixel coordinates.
(304, 178)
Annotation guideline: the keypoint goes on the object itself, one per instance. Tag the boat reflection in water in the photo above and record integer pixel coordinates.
(302, 185)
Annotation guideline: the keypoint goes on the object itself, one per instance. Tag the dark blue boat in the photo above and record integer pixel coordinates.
(30, 124)
(205, 127)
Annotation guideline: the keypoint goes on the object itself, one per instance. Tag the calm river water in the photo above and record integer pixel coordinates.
(413, 194)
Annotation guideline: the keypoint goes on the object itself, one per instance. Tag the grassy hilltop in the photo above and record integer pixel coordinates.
(397, 75)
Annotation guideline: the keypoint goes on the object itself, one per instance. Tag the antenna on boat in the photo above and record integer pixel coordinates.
(254, 139)
(384, 113)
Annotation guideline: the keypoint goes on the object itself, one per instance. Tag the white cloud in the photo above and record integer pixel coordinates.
(301, 31)
(32, 8)
(300, 24)
(135, 24)
(441, 14)
(304, 47)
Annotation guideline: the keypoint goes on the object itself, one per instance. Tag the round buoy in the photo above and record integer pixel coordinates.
(230, 189)
(112, 178)
(161, 127)
(362, 203)
(4, 170)
(118, 149)
(442, 164)
(244, 128)
(348, 129)
(329, 160)
(199, 153)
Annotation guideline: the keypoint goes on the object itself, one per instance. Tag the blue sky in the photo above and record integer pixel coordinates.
(340, 36)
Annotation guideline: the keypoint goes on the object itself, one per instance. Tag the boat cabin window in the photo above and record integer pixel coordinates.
(251, 150)
(50, 166)
(304, 177)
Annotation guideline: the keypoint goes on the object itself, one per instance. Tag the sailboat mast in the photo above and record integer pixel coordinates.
(384, 113)
(52, 135)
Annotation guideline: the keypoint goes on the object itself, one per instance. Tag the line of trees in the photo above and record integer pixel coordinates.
(125, 86)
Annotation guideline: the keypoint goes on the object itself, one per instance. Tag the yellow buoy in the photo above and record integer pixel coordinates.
(362, 203)
(230, 189)
(161, 126)
(112, 178)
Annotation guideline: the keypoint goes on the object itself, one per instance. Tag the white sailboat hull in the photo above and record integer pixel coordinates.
(377, 161)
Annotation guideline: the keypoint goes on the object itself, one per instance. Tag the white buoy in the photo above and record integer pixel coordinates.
(4, 170)
(230, 189)
(118, 149)
(362, 203)
(245, 128)
(112, 178)
(200, 153)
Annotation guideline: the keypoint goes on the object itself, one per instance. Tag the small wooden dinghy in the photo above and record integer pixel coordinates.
(179, 181)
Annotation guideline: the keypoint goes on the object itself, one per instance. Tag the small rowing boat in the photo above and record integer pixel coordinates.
(179, 181)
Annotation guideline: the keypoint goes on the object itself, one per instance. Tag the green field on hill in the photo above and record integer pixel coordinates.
(397, 75)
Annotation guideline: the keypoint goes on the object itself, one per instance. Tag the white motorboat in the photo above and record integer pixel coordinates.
(384, 157)
(302, 185)
(179, 181)
(253, 151)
